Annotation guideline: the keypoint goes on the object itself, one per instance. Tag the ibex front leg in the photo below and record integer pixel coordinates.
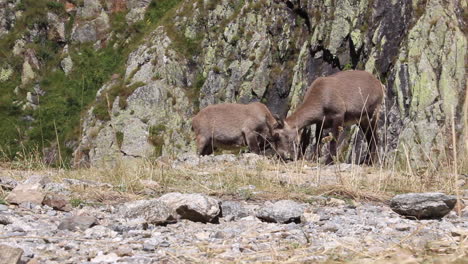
(337, 127)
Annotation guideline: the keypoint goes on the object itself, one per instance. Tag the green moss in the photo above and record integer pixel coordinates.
(119, 137)
(56, 7)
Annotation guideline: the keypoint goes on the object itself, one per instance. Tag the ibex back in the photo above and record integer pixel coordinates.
(344, 98)
(224, 125)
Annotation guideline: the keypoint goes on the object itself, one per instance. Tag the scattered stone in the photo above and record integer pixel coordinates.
(106, 258)
(86, 183)
(194, 207)
(3, 207)
(329, 227)
(335, 202)
(67, 65)
(285, 211)
(7, 183)
(10, 255)
(461, 232)
(78, 222)
(42, 180)
(402, 227)
(152, 211)
(423, 205)
(4, 220)
(57, 202)
(124, 251)
(28, 192)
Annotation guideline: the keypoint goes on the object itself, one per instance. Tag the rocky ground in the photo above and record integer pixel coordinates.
(40, 224)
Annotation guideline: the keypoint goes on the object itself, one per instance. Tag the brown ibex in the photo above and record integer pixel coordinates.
(344, 98)
(224, 125)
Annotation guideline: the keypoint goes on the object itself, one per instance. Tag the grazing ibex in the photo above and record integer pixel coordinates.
(344, 98)
(224, 125)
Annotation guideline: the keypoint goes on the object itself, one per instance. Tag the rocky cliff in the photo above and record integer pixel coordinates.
(156, 63)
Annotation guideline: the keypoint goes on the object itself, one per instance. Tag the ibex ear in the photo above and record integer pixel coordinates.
(279, 122)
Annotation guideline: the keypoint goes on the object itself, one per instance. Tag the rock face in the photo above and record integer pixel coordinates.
(268, 51)
(423, 205)
(194, 207)
(273, 51)
(285, 211)
(10, 255)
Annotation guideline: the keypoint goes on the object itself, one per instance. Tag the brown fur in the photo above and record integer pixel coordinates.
(225, 125)
(344, 98)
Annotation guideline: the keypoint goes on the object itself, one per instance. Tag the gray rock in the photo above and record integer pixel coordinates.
(3, 207)
(10, 255)
(123, 251)
(56, 30)
(234, 210)
(78, 222)
(86, 183)
(285, 211)
(402, 227)
(57, 202)
(42, 180)
(85, 33)
(194, 207)
(105, 258)
(58, 188)
(7, 183)
(4, 220)
(67, 65)
(99, 232)
(153, 211)
(423, 205)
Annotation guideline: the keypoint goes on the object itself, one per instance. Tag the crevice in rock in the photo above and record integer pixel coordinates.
(301, 13)
(327, 56)
(129, 155)
(353, 53)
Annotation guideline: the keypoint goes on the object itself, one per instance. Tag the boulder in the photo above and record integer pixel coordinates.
(234, 210)
(423, 205)
(10, 255)
(29, 192)
(194, 207)
(284, 211)
(153, 211)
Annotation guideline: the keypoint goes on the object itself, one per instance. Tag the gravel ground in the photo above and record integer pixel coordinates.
(324, 232)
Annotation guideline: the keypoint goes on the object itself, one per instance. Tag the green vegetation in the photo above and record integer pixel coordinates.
(156, 137)
(193, 93)
(119, 135)
(66, 97)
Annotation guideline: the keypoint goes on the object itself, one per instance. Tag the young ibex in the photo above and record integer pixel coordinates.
(344, 98)
(225, 125)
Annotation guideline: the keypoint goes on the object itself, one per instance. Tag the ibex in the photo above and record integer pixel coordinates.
(225, 125)
(344, 98)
